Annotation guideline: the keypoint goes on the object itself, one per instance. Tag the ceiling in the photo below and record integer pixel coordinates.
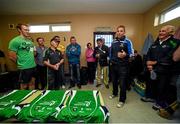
(55, 7)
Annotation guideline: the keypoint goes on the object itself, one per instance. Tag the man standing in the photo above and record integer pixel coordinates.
(62, 49)
(41, 69)
(21, 51)
(101, 53)
(159, 60)
(73, 52)
(53, 59)
(121, 50)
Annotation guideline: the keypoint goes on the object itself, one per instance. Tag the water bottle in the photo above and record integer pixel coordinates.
(153, 75)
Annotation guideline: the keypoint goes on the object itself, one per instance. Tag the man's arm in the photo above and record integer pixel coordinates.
(13, 56)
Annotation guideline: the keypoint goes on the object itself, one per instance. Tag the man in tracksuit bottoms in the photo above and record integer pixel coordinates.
(73, 52)
(120, 65)
(101, 53)
(53, 59)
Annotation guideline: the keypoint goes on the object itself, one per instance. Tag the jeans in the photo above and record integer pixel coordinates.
(75, 73)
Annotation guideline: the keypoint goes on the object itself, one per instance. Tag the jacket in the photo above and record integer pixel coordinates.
(104, 52)
(73, 52)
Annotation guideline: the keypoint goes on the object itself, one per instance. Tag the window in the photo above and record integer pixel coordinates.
(167, 15)
(170, 14)
(39, 28)
(63, 28)
(108, 36)
(50, 28)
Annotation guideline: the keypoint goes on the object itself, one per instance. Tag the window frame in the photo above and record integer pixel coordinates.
(102, 33)
(51, 26)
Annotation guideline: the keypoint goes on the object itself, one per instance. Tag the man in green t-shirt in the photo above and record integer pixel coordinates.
(21, 51)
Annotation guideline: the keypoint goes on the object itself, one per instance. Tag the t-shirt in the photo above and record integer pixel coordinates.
(41, 108)
(24, 49)
(40, 51)
(83, 106)
(53, 56)
(9, 101)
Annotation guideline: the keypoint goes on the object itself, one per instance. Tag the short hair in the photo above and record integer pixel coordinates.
(122, 26)
(37, 39)
(99, 39)
(72, 37)
(88, 44)
(19, 26)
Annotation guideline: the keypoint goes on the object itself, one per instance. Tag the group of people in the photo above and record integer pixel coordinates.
(40, 64)
(103, 63)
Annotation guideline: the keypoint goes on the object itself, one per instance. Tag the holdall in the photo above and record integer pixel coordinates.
(84, 75)
(140, 87)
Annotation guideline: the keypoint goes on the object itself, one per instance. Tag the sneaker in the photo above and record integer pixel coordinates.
(144, 99)
(63, 87)
(156, 107)
(112, 96)
(120, 105)
(164, 113)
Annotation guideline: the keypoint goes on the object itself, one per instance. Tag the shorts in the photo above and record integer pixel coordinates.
(26, 75)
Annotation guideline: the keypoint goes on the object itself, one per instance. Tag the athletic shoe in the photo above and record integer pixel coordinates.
(112, 96)
(164, 113)
(63, 87)
(156, 107)
(144, 99)
(120, 105)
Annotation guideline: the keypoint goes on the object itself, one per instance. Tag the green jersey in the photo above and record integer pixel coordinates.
(24, 49)
(9, 101)
(83, 106)
(40, 109)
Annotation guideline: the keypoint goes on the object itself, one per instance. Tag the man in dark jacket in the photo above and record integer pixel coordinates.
(120, 53)
(159, 60)
(101, 53)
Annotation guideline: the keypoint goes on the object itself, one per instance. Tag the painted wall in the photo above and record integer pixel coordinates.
(149, 16)
(83, 27)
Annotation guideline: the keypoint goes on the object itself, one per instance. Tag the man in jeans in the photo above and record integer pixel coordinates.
(73, 52)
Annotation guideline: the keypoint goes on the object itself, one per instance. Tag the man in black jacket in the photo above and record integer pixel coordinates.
(159, 60)
(101, 53)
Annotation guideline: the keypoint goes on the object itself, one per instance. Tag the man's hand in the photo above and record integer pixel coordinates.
(12, 55)
(151, 63)
(121, 54)
(97, 55)
(150, 67)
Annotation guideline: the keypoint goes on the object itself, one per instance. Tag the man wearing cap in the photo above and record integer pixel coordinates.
(53, 59)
